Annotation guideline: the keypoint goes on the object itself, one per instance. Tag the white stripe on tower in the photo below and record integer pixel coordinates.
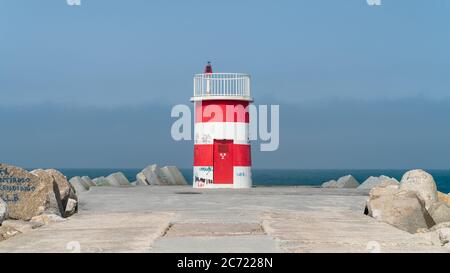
(206, 132)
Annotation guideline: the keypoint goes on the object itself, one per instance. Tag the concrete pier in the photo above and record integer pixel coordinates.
(182, 219)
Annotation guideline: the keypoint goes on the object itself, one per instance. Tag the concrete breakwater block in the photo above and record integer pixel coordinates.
(118, 179)
(173, 175)
(347, 181)
(374, 181)
(154, 176)
(141, 180)
(79, 184)
(101, 181)
(167, 175)
(88, 181)
(330, 184)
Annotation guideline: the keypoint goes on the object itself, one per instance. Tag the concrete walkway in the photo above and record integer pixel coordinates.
(181, 219)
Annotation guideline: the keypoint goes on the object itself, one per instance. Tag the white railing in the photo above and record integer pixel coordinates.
(222, 84)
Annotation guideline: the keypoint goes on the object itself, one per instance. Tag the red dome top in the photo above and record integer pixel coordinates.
(208, 68)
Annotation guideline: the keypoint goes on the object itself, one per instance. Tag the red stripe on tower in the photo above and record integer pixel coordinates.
(203, 155)
(222, 111)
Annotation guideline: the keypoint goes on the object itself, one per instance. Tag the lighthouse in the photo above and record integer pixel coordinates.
(222, 154)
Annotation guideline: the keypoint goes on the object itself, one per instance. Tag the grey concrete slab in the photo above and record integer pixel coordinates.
(182, 219)
(216, 244)
(213, 229)
(340, 231)
(106, 232)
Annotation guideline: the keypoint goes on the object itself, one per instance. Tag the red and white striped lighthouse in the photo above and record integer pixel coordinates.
(222, 154)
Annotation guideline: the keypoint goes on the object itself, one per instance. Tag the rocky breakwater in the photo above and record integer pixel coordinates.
(349, 182)
(32, 199)
(413, 205)
(85, 183)
(152, 175)
(375, 181)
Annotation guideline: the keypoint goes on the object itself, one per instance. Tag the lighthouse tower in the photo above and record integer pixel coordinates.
(222, 154)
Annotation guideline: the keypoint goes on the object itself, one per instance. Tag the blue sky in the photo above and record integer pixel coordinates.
(358, 86)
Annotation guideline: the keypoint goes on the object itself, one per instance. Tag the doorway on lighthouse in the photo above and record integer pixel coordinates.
(223, 161)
